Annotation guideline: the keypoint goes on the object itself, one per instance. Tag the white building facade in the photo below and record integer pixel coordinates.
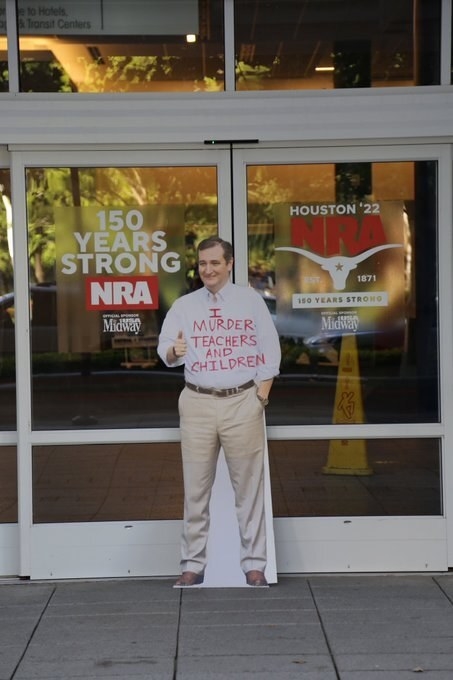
(318, 139)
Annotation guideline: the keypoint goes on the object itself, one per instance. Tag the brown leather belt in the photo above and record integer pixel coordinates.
(221, 393)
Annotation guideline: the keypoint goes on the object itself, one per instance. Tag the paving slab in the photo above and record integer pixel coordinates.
(415, 662)
(10, 655)
(25, 594)
(386, 639)
(12, 612)
(386, 615)
(17, 631)
(111, 608)
(268, 667)
(248, 617)
(287, 587)
(375, 603)
(263, 604)
(445, 583)
(389, 592)
(260, 675)
(253, 639)
(158, 674)
(394, 675)
(429, 622)
(156, 641)
(120, 590)
(21, 606)
(112, 668)
(84, 629)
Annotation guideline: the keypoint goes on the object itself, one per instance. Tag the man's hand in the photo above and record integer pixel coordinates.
(178, 350)
(263, 389)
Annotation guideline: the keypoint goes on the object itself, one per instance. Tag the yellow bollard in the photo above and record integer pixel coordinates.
(348, 456)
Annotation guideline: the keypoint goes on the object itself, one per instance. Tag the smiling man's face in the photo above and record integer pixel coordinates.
(213, 269)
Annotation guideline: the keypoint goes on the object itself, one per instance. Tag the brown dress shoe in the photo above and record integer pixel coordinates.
(189, 578)
(256, 578)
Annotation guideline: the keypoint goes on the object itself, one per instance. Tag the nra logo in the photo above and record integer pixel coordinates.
(126, 292)
(326, 235)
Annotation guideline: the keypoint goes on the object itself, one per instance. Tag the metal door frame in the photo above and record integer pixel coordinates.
(366, 543)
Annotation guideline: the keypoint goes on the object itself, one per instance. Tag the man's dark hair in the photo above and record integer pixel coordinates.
(217, 241)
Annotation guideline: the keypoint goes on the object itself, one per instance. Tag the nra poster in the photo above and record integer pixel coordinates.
(118, 270)
(341, 267)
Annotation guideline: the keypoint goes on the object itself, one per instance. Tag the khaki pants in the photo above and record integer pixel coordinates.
(235, 423)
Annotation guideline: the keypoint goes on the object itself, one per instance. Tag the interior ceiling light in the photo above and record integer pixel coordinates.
(191, 38)
(324, 68)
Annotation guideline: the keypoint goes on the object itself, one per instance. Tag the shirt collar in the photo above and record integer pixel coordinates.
(222, 294)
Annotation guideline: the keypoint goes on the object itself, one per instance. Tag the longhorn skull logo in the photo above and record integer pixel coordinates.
(339, 266)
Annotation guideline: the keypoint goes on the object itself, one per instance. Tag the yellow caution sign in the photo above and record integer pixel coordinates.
(348, 456)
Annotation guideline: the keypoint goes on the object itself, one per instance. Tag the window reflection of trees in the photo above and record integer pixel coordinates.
(47, 188)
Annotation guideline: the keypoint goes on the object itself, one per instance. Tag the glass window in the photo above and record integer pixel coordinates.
(345, 256)
(8, 485)
(326, 44)
(451, 55)
(107, 483)
(110, 249)
(4, 78)
(117, 46)
(101, 483)
(402, 478)
(7, 333)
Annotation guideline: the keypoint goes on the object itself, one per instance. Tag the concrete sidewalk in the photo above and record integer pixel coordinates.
(367, 627)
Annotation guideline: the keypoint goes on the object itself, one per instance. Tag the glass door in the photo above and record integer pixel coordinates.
(344, 248)
(110, 243)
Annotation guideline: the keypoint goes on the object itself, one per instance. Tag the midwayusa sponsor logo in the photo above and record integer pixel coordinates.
(122, 325)
(345, 322)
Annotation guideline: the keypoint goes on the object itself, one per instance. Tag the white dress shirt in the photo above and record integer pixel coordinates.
(230, 338)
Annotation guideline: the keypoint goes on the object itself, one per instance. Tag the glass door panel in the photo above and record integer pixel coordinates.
(7, 328)
(111, 244)
(349, 250)
(403, 478)
(8, 485)
(107, 483)
(9, 535)
(345, 254)
(110, 249)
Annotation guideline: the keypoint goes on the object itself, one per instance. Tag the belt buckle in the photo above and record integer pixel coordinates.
(226, 392)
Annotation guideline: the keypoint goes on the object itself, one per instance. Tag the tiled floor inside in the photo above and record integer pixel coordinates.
(144, 481)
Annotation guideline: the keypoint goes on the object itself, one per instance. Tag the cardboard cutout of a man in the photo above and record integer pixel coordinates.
(226, 339)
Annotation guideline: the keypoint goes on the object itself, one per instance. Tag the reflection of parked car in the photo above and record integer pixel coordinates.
(296, 325)
(43, 312)
(324, 348)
